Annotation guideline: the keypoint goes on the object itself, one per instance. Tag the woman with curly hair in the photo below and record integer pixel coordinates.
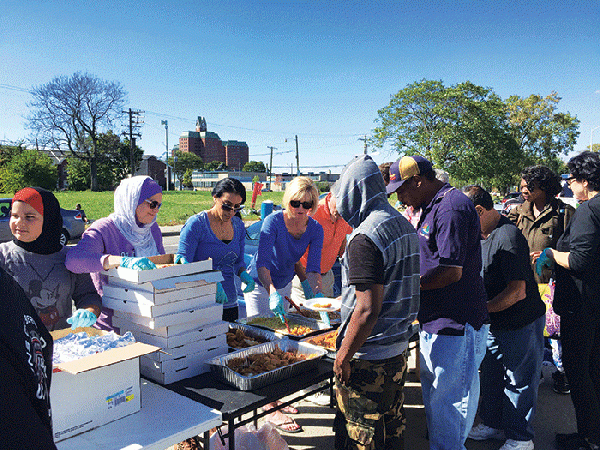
(542, 218)
(577, 300)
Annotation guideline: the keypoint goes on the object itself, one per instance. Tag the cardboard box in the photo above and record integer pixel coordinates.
(207, 314)
(161, 292)
(168, 331)
(97, 389)
(144, 308)
(142, 276)
(202, 333)
(155, 371)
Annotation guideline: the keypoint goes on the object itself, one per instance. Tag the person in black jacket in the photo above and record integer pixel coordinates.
(577, 300)
(25, 372)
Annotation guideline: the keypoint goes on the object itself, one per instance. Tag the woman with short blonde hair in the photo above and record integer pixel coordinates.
(284, 237)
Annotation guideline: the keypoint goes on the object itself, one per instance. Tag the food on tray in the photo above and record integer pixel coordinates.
(324, 305)
(326, 340)
(258, 363)
(274, 323)
(162, 266)
(236, 338)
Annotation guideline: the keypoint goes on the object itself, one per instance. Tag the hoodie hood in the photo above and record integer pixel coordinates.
(359, 190)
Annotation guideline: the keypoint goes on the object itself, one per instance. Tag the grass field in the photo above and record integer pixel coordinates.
(176, 208)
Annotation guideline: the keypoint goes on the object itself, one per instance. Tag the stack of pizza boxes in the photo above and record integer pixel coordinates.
(172, 307)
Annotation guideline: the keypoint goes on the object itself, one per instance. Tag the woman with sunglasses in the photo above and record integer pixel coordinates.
(124, 238)
(284, 237)
(220, 235)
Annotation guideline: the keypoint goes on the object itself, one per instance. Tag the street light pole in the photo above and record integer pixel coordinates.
(166, 124)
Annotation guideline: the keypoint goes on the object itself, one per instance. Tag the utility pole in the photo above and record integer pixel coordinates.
(297, 158)
(271, 166)
(134, 124)
(166, 124)
(365, 141)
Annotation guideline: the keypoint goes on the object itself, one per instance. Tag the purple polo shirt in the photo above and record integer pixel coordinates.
(449, 235)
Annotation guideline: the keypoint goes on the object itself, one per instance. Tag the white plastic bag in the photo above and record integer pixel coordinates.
(248, 438)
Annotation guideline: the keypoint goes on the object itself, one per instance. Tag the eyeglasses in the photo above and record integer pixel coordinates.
(235, 208)
(297, 203)
(153, 204)
(570, 180)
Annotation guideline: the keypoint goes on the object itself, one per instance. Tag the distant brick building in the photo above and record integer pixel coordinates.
(210, 147)
(154, 168)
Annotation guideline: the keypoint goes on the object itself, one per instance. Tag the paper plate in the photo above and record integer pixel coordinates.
(335, 304)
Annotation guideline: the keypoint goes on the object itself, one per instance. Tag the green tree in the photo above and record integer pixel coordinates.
(254, 166)
(73, 111)
(215, 165)
(185, 161)
(28, 168)
(187, 179)
(78, 175)
(540, 131)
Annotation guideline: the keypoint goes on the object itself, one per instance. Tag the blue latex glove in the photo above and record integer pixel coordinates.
(542, 261)
(130, 262)
(248, 280)
(325, 318)
(308, 292)
(82, 318)
(180, 259)
(276, 303)
(221, 295)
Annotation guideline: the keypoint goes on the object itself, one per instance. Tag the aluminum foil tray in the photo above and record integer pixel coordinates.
(329, 352)
(293, 319)
(254, 332)
(219, 367)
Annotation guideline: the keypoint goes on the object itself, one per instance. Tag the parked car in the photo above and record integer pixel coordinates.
(73, 225)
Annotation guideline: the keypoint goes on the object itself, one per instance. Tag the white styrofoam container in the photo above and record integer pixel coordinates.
(142, 276)
(97, 389)
(201, 315)
(218, 329)
(153, 370)
(147, 309)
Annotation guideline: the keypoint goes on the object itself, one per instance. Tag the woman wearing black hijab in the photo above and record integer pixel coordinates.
(36, 260)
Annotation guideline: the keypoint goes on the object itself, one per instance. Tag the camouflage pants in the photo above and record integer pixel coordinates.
(370, 412)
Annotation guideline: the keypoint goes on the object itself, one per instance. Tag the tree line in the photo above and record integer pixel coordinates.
(473, 134)
(466, 129)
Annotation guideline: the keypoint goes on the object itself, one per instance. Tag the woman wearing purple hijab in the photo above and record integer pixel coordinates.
(124, 238)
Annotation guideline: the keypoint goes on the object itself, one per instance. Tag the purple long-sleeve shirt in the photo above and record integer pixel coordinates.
(99, 240)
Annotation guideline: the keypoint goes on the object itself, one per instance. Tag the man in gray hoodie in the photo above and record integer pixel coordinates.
(380, 302)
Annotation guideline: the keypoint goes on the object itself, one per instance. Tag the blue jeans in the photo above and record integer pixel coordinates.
(450, 384)
(510, 376)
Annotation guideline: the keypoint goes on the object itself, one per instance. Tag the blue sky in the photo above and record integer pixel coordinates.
(265, 71)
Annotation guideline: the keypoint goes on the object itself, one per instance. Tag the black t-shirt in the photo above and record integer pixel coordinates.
(506, 258)
(365, 262)
(25, 370)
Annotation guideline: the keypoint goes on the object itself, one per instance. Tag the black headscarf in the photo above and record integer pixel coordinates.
(49, 241)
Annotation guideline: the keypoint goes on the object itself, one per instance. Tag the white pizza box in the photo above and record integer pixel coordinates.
(169, 353)
(175, 362)
(151, 370)
(169, 331)
(97, 389)
(209, 314)
(177, 270)
(166, 290)
(146, 309)
(199, 334)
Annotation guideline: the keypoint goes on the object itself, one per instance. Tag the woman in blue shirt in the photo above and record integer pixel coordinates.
(284, 237)
(219, 234)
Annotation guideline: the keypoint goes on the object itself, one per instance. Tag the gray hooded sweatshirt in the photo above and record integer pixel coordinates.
(362, 202)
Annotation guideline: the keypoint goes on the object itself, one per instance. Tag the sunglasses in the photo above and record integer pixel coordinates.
(235, 208)
(297, 203)
(570, 180)
(153, 204)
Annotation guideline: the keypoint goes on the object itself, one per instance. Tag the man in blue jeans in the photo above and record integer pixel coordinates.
(510, 371)
(453, 314)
